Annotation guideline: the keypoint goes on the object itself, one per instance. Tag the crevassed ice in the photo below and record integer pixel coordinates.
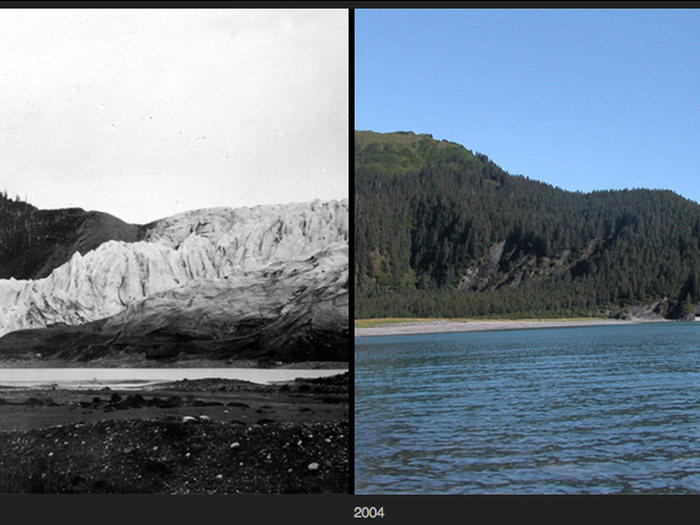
(204, 244)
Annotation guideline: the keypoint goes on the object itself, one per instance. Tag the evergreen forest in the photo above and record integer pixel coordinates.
(441, 231)
(33, 241)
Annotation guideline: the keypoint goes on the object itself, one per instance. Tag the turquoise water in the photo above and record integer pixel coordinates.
(611, 409)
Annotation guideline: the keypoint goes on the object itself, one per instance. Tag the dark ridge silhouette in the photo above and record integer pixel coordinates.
(34, 242)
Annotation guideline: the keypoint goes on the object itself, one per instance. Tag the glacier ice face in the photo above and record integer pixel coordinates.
(247, 238)
(200, 262)
(312, 292)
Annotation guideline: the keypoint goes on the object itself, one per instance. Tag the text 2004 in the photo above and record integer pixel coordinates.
(369, 512)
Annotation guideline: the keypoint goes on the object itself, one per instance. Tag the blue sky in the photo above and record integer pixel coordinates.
(580, 99)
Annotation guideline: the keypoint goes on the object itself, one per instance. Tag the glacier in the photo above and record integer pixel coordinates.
(210, 274)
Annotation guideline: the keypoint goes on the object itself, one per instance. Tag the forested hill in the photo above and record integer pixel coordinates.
(33, 242)
(441, 231)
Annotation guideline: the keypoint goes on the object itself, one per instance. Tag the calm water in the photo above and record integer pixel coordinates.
(569, 410)
(139, 377)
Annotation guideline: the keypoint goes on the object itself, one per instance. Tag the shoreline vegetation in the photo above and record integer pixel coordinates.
(410, 326)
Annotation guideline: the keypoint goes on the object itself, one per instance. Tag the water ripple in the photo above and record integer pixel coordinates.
(580, 410)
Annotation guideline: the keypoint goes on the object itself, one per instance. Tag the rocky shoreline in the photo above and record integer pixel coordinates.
(188, 437)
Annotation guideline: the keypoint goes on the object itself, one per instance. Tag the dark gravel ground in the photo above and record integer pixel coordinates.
(295, 441)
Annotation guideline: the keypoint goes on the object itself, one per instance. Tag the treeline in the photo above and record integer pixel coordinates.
(15, 230)
(29, 237)
(441, 231)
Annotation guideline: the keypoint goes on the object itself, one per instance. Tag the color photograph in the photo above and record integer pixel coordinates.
(527, 251)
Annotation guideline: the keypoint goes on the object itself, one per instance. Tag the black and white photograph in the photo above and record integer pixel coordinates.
(174, 251)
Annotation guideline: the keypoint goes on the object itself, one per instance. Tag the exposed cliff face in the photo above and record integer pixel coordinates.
(503, 265)
(207, 275)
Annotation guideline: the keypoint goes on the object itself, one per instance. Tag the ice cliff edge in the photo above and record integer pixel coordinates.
(206, 271)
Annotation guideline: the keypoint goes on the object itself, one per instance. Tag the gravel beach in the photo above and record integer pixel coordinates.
(205, 436)
(434, 327)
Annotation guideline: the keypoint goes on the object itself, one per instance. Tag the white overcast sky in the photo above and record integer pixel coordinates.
(147, 113)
